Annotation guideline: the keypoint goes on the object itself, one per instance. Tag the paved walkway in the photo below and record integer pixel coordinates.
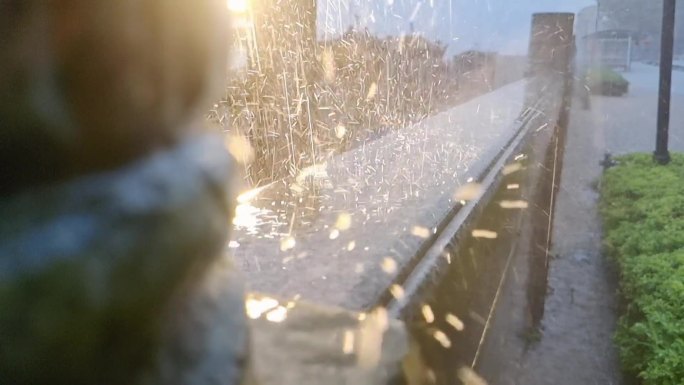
(627, 124)
(580, 312)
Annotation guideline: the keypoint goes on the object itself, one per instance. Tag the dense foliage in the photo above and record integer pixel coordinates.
(642, 205)
(299, 99)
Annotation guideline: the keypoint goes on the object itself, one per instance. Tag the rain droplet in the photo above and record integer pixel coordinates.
(513, 204)
(511, 168)
(340, 131)
(468, 192)
(397, 291)
(277, 315)
(389, 265)
(477, 318)
(484, 234)
(328, 63)
(255, 307)
(421, 232)
(430, 374)
(513, 186)
(428, 314)
(238, 146)
(447, 256)
(372, 90)
(455, 322)
(287, 243)
(351, 246)
(348, 342)
(334, 234)
(469, 377)
(343, 221)
(302, 255)
(442, 338)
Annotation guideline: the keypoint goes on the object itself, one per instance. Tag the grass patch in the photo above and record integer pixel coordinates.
(642, 205)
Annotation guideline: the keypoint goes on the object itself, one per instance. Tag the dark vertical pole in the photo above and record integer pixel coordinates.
(661, 154)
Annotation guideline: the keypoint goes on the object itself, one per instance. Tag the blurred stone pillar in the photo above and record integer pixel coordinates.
(551, 42)
(551, 57)
(549, 91)
(115, 204)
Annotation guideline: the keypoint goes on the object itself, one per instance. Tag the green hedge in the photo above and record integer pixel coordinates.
(606, 81)
(642, 205)
(605, 74)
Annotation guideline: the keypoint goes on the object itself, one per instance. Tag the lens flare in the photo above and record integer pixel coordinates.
(238, 6)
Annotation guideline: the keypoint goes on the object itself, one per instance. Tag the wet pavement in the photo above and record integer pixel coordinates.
(341, 231)
(621, 125)
(575, 344)
(580, 312)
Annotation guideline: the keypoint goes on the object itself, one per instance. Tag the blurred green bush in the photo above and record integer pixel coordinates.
(642, 205)
(606, 81)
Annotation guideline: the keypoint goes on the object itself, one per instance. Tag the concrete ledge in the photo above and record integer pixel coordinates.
(394, 192)
(299, 343)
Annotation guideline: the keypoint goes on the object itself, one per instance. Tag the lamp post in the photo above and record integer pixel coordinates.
(661, 154)
(598, 15)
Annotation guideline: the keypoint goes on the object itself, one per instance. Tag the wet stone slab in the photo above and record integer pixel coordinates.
(341, 231)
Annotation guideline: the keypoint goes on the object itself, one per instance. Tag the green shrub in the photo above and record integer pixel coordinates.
(642, 205)
(605, 74)
(606, 81)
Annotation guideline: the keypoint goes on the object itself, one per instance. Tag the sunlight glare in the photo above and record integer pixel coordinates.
(238, 6)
